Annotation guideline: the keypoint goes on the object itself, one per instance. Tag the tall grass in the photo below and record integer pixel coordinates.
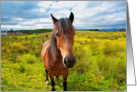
(100, 66)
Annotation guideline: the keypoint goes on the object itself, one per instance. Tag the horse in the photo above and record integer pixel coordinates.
(46, 36)
(57, 53)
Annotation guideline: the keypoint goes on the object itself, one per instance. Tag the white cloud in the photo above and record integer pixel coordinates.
(79, 6)
(45, 4)
(56, 5)
(104, 13)
(62, 5)
(62, 14)
(42, 10)
(87, 14)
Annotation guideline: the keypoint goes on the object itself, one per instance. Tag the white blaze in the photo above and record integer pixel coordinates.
(63, 55)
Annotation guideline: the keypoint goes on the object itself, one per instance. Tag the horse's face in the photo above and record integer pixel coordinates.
(64, 34)
(64, 44)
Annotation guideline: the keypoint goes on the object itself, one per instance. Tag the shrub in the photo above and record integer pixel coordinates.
(21, 69)
(27, 58)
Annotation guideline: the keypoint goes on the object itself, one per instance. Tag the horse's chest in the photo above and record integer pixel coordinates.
(58, 70)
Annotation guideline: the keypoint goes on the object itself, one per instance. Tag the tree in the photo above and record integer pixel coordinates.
(91, 29)
(96, 30)
(11, 30)
(121, 29)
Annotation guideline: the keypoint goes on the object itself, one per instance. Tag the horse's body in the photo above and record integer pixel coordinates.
(54, 67)
(57, 54)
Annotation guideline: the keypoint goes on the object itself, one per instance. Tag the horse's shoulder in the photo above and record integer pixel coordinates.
(45, 47)
(45, 43)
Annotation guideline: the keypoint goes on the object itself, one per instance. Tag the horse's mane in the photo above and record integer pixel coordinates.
(64, 26)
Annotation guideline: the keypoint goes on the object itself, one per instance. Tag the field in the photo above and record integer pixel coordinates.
(100, 66)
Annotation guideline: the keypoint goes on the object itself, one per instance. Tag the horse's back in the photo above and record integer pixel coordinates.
(46, 42)
(45, 48)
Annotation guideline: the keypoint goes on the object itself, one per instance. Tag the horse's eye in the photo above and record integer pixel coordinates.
(57, 34)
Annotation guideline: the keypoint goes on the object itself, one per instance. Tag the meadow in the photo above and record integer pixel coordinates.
(100, 66)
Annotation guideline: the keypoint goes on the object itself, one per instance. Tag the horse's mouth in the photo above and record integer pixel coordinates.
(69, 64)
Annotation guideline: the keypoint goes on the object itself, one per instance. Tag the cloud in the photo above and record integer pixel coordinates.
(88, 14)
(56, 5)
(100, 14)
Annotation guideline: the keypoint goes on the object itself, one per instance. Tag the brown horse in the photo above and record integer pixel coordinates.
(57, 53)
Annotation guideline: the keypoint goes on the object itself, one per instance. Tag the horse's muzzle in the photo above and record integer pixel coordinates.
(69, 62)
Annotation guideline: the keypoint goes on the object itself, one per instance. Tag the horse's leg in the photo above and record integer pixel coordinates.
(57, 77)
(52, 83)
(46, 80)
(65, 83)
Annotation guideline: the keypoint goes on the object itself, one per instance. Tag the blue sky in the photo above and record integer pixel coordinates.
(88, 14)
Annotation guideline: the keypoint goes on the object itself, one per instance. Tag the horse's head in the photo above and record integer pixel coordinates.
(64, 35)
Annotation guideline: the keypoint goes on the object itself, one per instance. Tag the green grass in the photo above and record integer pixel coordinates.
(100, 66)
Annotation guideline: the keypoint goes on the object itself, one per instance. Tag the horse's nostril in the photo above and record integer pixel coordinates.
(66, 60)
(69, 62)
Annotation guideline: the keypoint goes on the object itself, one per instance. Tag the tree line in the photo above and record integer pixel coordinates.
(121, 30)
(32, 31)
(35, 31)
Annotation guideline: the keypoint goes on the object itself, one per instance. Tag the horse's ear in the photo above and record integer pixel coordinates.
(54, 19)
(71, 17)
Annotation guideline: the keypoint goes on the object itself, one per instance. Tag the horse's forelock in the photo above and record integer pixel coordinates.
(64, 26)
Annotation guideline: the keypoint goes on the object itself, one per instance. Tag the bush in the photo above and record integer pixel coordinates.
(27, 58)
(21, 69)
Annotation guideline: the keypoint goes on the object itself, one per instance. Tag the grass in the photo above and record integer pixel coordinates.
(101, 62)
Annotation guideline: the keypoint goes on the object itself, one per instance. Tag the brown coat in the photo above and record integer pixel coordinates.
(54, 67)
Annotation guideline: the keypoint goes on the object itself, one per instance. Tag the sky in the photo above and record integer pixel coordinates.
(87, 14)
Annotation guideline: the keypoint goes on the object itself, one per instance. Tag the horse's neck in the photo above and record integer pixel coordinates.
(55, 54)
(58, 58)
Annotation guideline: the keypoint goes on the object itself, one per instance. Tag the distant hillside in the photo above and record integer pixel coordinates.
(49, 30)
(112, 29)
(35, 31)
(82, 29)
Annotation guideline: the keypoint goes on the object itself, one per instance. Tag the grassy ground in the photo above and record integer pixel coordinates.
(101, 63)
